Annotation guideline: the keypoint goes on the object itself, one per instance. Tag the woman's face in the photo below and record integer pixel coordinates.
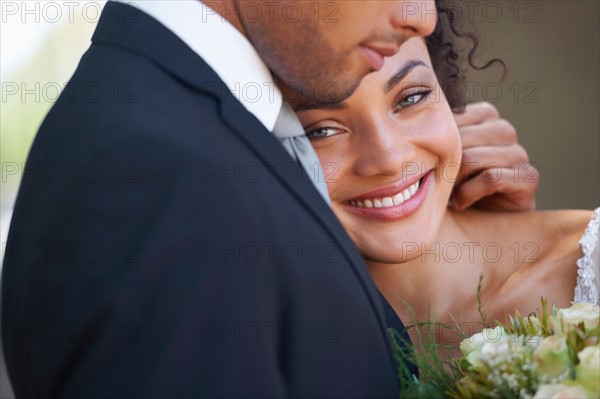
(390, 154)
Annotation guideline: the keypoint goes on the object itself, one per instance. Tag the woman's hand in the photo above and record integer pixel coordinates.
(495, 173)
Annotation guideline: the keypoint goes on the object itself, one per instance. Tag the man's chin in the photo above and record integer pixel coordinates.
(335, 92)
(323, 94)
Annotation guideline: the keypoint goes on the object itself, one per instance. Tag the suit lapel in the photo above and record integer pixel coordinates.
(126, 27)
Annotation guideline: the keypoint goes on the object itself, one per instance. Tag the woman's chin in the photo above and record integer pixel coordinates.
(399, 241)
(395, 258)
(394, 251)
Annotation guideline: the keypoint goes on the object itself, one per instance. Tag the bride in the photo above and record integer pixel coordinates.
(394, 147)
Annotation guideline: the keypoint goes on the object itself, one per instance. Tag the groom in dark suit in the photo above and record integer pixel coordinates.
(165, 244)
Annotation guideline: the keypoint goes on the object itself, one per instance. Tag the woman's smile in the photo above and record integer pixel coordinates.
(393, 202)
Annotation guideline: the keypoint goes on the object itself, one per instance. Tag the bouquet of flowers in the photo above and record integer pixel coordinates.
(538, 356)
(550, 354)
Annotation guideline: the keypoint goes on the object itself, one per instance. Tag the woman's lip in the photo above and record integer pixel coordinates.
(396, 212)
(374, 58)
(389, 191)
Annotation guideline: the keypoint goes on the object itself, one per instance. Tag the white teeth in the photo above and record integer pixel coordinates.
(386, 202)
(398, 199)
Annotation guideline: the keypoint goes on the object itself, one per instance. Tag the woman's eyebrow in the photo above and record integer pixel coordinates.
(401, 73)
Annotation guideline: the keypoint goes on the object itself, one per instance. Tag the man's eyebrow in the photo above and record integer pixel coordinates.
(402, 72)
(309, 106)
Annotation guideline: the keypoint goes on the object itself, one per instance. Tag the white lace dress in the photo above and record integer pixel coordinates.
(588, 273)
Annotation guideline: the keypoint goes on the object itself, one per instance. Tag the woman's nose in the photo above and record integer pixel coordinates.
(383, 151)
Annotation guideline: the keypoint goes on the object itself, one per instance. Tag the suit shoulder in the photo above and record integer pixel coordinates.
(116, 97)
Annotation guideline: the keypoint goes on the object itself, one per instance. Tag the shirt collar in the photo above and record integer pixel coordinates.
(224, 49)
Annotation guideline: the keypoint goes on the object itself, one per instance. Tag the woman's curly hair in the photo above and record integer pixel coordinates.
(449, 57)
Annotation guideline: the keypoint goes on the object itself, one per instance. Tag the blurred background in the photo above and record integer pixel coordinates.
(551, 93)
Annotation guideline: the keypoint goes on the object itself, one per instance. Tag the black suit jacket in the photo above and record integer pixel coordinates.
(164, 245)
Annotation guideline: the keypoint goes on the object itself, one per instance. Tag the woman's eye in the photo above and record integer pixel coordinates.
(322, 132)
(411, 100)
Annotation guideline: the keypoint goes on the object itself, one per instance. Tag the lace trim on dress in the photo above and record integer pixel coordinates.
(588, 266)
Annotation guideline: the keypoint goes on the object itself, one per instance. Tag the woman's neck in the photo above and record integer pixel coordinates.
(426, 281)
(522, 256)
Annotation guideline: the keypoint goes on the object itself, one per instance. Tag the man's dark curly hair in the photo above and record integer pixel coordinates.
(449, 59)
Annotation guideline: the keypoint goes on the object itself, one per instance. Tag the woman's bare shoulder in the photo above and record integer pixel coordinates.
(539, 254)
(541, 225)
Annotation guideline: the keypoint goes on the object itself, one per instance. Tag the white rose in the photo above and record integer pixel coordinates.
(475, 341)
(552, 356)
(587, 372)
(580, 312)
(560, 391)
